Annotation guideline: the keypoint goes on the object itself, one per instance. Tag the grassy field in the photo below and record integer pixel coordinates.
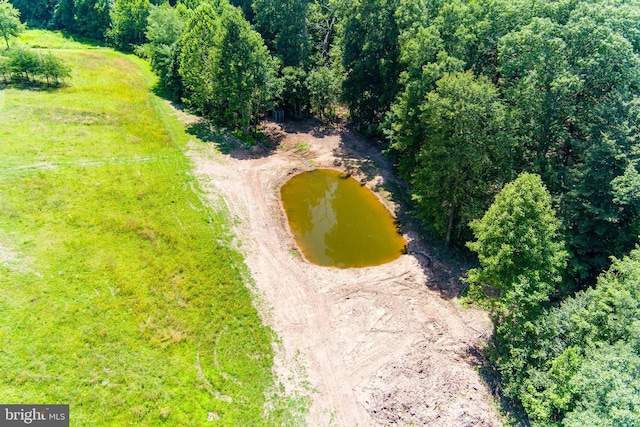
(119, 291)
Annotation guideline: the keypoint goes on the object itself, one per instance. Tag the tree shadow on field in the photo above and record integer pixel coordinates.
(233, 144)
(35, 85)
(210, 134)
(477, 356)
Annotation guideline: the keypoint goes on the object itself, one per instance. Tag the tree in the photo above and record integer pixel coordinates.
(521, 258)
(64, 15)
(599, 149)
(323, 25)
(424, 63)
(585, 368)
(227, 71)
(5, 70)
(283, 25)
(516, 237)
(572, 82)
(294, 94)
(534, 62)
(128, 22)
(92, 18)
(200, 42)
(247, 8)
(10, 25)
(53, 68)
(463, 155)
(164, 25)
(164, 31)
(24, 62)
(324, 90)
(370, 59)
(36, 13)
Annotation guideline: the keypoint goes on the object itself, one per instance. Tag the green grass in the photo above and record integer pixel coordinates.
(120, 293)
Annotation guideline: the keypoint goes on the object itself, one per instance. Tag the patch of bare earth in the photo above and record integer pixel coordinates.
(378, 345)
(11, 259)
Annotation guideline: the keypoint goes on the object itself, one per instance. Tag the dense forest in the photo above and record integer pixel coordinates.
(515, 123)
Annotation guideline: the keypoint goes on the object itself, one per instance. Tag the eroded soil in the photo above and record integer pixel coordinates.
(384, 345)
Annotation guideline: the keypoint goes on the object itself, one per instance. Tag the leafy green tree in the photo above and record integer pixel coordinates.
(463, 155)
(370, 59)
(572, 82)
(164, 30)
(164, 25)
(64, 15)
(324, 25)
(521, 259)
(324, 91)
(5, 70)
(599, 148)
(518, 237)
(53, 69)
(585, 368)
(534, 62)
(294, 95)
(227, 71)
(200, 42)
(92, 18)
(247, 8)
(24, 62)
(36, 13)
(10, 25)
(283, 25)
(424, 63)
(128, 22)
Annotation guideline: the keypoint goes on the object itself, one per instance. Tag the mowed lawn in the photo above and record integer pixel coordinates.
(120, 293)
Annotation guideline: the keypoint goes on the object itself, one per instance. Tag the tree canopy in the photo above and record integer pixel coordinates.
(521, 258)
(224, 64)
(10, 25)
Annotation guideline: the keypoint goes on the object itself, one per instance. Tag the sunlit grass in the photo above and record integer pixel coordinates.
(119, 291)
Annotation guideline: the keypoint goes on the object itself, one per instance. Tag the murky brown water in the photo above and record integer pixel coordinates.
(337, 222)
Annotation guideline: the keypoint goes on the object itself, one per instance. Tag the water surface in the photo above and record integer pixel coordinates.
(337, 222)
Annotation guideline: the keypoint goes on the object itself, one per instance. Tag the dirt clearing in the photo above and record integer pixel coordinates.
(369, 346)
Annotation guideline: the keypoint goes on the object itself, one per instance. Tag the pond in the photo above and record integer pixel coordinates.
(337, 222)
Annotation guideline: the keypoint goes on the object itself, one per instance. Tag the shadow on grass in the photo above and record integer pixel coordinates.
(199, 127)
(32, 85)
(512, 411)
(235, 144)
(95, 43)
(210, 134)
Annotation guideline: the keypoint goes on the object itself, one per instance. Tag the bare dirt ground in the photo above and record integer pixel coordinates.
(384, 345)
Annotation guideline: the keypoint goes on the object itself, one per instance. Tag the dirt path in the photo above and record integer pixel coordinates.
(376, 345)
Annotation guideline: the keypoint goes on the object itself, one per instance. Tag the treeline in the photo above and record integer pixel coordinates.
(469, 95)
(252, 58)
